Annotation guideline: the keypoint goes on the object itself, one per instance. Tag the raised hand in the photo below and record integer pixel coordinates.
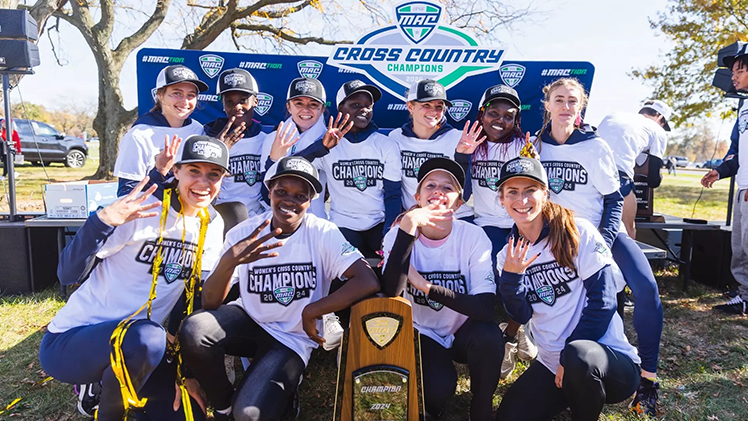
(130, 207)
(516, 256)
(469, 139)
(230, 137)
(251, 248)
(426, 217)
(285, 138)
(336, 131)
(165, 158)
(528, 150)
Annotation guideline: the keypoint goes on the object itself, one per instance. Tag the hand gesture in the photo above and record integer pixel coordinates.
(285, 138)
(418, 281)
(336, 131)
(130, 207)
(195, 392)
(426, 217)
(528, 151)
(230, 137)
(165, 158)
(469, 139)
(709, 179)
(516, 256)
(309, 323)
(251, 248)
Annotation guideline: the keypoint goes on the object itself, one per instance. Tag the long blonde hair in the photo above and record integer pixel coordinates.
(569, 82)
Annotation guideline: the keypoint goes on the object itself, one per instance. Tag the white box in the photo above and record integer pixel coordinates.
(78, 199)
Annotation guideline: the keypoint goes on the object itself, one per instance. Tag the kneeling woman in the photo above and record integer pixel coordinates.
(444, 267)
(138, 257)
(283, 294)
(556, 275)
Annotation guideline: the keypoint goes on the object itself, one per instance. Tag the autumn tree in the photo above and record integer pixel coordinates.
(276, 25)
(683, 78)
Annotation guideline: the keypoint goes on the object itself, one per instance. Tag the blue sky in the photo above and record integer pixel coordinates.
(614, 37)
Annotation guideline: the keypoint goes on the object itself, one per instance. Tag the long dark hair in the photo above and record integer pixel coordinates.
(481, 152)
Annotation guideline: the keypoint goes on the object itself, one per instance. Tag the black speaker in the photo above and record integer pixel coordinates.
(729, 53)
(28, 258)
(18, 24)
(710, 258)
(15, 53)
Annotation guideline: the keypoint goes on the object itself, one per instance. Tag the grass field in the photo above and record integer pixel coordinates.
(703, 362)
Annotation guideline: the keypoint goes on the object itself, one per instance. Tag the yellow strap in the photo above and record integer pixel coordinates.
(10, 405)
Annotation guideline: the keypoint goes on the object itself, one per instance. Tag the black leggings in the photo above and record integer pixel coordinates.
(367, 242)
(594, 374)
(481, 346)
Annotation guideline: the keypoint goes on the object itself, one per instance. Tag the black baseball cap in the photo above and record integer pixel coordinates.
(442, 164)
(500, 92)
(427, 90)
(311, 88)
(295, 166)
(523, 167)
(178, 73)
(238, 80)
(741, 50)
(208, 149)
(355, 86)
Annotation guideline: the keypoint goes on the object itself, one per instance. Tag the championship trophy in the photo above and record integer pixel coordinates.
(379, 375)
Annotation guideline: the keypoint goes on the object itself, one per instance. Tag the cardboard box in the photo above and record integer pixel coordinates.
(78, 199)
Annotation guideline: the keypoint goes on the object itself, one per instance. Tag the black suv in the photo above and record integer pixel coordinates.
(41, 142)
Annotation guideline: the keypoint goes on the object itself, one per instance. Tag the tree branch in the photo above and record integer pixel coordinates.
(284, 12)
(128, 44)
(280, 33)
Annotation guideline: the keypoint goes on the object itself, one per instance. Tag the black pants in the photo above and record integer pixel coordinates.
(481, 346)
(207, 336)
(367, 242)
(594, 375)
(232, 213)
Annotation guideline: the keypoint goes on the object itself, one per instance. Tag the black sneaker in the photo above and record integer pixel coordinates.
(645, 401)
(89, 396)
(294, 406)
(734, 306)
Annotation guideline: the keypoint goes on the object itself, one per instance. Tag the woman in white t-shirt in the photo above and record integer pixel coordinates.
(443, 266)
(283, 293)
(427, 135)
(141, 265)
(583, 177)
(176, 98)
(557, 276)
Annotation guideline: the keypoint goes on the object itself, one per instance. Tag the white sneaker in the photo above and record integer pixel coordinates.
(333, 331)
(526, 349)
(509, 363)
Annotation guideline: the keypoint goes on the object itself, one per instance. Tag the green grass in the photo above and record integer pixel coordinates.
(677, 196)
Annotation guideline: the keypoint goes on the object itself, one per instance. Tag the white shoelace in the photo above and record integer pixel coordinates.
(736, 300)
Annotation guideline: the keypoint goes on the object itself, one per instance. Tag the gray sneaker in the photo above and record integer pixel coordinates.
(509, 363)
(526, 349)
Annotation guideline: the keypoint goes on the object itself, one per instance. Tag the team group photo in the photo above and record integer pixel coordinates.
(417, 224)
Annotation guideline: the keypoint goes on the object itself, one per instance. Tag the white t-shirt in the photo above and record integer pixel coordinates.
(742, 176)
(461, 264)
(306, 139)
(140, 145)
(558, 296)
(274, 291)
(121, 282)
(628, 135)
(485, 172)
(579, 175)
(415, 151)
(244, 182)
(356, 174)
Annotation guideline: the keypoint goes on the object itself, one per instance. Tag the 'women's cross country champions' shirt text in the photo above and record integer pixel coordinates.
(355, 177)
(244, 181)
(461, 264)
(580, 173)
(485, 172)
(121, 282)
(274, 291)
(557, 295)
(414, 152)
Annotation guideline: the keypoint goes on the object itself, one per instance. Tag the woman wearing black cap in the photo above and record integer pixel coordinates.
(141, 258)
(176, 98)
(428, 135)
(557, 276)
(240, 194)
(283, 293)
(443, 266)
